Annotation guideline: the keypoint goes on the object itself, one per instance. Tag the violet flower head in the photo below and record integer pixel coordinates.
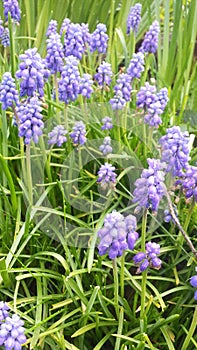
(189, 182)
(193, 282)
(167, 215)
(149, 258)
(99, 39)
(85, 34)
(30, 118)
(8, 93)
(131, 226)
(65, 24)
(136, 65)
(31, 73)
(123, 85)
(106, 148)
(162, 97)
(152, 118)
(52, 27)
(1, 27)
(175, 150)
(134, 18)
(107, 176)
(150, 42)
(146, 96)
(3, 311)
(55, 55)
(104, 74)
(12, 7)
(150, 186)
(68, 86)
(12, 333)
(57, 136)
(107, 123)
(117, 102)
(85, 85)
(78, 134)
(5, 38)
(73, 41)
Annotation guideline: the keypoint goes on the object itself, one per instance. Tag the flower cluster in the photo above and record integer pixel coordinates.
(150, 42)
(55, 55)
(107, 123)
(134, 18)
(136, 65)
(8, 93)
(52, 27)
(106, 148)
(57, 136)
(117, 234)
(189, 182)
(65, 24)
(117, 102)
(73, 41)
(12, 7)
(5, 38)
(85, 85)
(149, 258)
(123, 85)
(146, 96)
(78, 134)
(106, 176)
(99, 39)
(104, 74)
(150, 186)
(68, 87)
(193, 282)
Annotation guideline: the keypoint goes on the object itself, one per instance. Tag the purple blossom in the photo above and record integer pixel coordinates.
(150, 186)
(1, 27)
(12, 7)
(65, 24)
(136, 65)
(3, 311)
(114, 234)
(30, 119)
(107, 123)
(85, 34)
(55, 55)
(68, 87)
(132, 235)
(152, 118)
(117, 102)
(78, 134)
(193, 282)
(150, 42)
(149, 258)
(8, 92)
(73, 41)
(123, 85)
(52, 27)
(162, 97)
(104, 74)
(85, 85)
(106, 148)
(5, 38)
(106, 175)
(134, 18)
(167, 215)
(175, 150)
(12, 333)
(99, 39)
(31, 73)
(57, 136)
(146, 96)
(189, 182)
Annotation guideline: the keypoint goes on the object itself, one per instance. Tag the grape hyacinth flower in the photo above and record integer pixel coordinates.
(167, 214)
(12, 7)
(150, 186)
(136, 65)
(5, 38)
(106, 148)
(193, 282)
(146, 96)
(99, 39)
(66, 22)
(104, 74)
(175, 150)
(1, 27)
(3, 311)
(117, 102)
(57, 136)
(123, 85)
(73, 41)
(134, 18)
(85, 85)
(55, 55)
(30, 119)
(68, 86)
(162, 97)
(12, 333)
(85, 34)
(114, 235)
(107, 176)
(52, 27)
(189, 182)
(31, 73)
(150, 42)
(107, 123)
(8, 93)
(152, 118)
(78, 134)
(149, 258)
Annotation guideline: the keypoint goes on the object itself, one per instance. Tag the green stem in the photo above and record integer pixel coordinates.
(29, 175)
(144, 274)
(122, 275)
(111, 24)
(191, 331)
(116, 287)
(12, 46)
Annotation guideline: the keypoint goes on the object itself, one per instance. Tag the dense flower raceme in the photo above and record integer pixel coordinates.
(52, 27)
(12, 333)
(85, 85)
(134, 18)
(66, 22)
(107, 123)
(8, 93)
(3, 311)
(99, 39)
(12, 7)
(146, 96)
(175, 150)
(107, 176)
(78, 134)
(30, 119)
(85, 34)
(68, 86)
(73, 41)
(152, 118)
(55, 55)
(150, 187)
(104, 74)
(106, 148)
(1, 27)
(189, 182)
(117, 234)
(5, 38)
(193, 282)
(118, 101)
(57, 136)
(136, 65)
(32, 73)
(148, 258)
(123, 85)
(150, 42)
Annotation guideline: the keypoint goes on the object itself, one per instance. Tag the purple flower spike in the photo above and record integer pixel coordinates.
(12, 7)
(153, 117)
(8, 92)
(78, 134)
(150, 186)
(146, 96)
(73, 41)
(57, 136)
(1, 28)
(150, 258)
(150, 43)
(107, 123)
(52, 27)
(68, 86)
(123, 85)
(106, 175)
(131, 226)
(162, 97)
(55, 55)
(189, 182)
(5, 38)
(117, 102)
(65, 24)
(85, 85)
(106, 148)
(3, 311)
(134, 18)
(12, 333)
(193, 282)
(99, 39)
(104, 74)
(136, 65)
(175, 150)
